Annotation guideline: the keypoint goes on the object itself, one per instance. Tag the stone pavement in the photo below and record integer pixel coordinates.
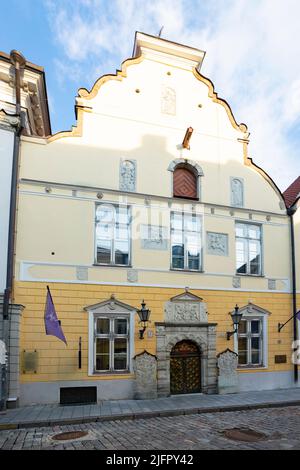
(280, 428)
(50, 415)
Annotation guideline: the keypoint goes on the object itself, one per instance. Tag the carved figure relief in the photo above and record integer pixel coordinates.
(237, 192)
(217, 243)
(227, 363)
(168, 101)
(128, 175)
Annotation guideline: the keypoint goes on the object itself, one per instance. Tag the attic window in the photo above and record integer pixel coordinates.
(185, 182)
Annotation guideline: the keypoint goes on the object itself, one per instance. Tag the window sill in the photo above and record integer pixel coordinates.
(111, 374)
(252, 368)
(186, 271)
(250, 275)
(113, 265)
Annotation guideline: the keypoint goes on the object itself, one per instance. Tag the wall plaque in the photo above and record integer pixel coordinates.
(280, 359)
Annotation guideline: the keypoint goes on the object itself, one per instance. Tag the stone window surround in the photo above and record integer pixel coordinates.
(188, 163)
(251, 312)
(104, 309)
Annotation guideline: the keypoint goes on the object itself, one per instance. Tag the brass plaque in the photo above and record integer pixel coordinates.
(280, 359)
(29, 361)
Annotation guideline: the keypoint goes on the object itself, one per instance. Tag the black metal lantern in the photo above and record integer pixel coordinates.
(236, 318)
(144, 314)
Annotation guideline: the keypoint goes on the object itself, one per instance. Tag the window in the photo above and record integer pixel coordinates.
(111, 343)
(250, 342)
(248, 249)
(185, 182)
(186, 241)
(113, 235)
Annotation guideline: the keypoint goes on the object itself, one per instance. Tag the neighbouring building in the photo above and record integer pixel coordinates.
(151, 196)
(23, 111)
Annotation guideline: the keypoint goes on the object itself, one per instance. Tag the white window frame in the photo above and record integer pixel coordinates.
(186, 268)
(250, 313)
(112, 255)
(100, 310)
(246, 243)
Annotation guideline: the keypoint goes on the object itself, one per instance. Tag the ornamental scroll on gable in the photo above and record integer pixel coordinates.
(185, 308)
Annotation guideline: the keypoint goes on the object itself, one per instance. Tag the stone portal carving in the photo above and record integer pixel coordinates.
(228, 376)
(145, 368)
(168, 101)
(128, 175)
(217, 243)
(186, 308)
(237, 192)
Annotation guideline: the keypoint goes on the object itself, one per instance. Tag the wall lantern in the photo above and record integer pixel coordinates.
(236, 318)
(144, 315)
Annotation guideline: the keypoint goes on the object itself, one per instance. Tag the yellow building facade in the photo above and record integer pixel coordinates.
(106, 219)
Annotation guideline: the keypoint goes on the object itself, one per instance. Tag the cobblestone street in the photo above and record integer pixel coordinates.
(280, 427)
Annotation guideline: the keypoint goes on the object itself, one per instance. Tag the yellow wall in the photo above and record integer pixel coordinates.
(58, 362)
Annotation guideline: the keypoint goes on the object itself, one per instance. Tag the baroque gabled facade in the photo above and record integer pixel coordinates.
(152, 195)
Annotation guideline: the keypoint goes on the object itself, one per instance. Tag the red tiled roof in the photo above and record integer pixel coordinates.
(292, 192)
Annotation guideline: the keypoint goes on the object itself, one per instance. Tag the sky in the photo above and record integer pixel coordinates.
(252, 56)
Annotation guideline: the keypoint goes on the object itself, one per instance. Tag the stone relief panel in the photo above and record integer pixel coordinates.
(272, 284)
(132, 275)
(145, 368)
(228, 378)
(168, 101)
(237, 192)
(236, 282)
(185, 309)
(217, 244)
(128, 175)
(82, 273)
(154, 237)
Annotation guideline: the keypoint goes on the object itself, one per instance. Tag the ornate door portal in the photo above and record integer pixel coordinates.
(185, 368)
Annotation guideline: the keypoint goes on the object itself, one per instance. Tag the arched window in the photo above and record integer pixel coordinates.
(185, 182)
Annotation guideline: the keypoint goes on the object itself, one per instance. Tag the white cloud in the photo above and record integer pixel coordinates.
(252, 57)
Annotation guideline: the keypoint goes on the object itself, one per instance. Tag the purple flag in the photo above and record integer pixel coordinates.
(298, 315)
(52, 325)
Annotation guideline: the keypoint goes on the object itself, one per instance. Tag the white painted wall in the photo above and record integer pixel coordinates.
(6, 156)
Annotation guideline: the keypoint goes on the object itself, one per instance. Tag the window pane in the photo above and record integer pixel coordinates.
(102, 346)
(104, 251)
(122, 215)
(121, 326)
(255, 326)
(242, 327)
(121, 252)
(120, 353)
(241, 230)
(242, 348)
(191, 223)
(122, 232)
(176, 221)
(254, 232)
(194, 262)
(102, 362)
(105, 213)
(102, 326)
(104, 231)
(241, 256)
(120, 362)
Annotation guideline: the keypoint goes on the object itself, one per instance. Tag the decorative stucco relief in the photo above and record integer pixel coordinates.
(168, 101)
(185, 309)
(217, 243)
(237, 192)
(128, 175)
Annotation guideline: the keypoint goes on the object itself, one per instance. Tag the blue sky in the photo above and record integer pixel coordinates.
(252, 46)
